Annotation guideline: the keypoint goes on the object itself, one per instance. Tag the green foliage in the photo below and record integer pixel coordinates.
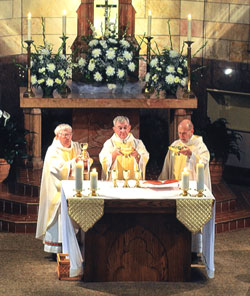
(220, 140)
(13, 142)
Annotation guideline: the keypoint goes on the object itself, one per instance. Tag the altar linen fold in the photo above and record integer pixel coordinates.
(85, 211)
(194, 213)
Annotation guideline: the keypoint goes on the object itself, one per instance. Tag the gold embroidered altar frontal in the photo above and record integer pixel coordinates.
(85, 211)
(194, 213)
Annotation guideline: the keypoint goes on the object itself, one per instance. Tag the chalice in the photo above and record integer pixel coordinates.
(137, 178)
(114, 174)
(126, 177)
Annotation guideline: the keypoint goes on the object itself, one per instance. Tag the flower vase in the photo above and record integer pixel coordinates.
(48, 92)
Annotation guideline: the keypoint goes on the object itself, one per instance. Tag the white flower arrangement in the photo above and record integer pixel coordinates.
(50, 71)
(168, 71)
(108, 59)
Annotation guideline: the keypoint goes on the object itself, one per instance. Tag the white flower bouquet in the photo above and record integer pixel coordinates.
(108, 59)
(50, 71)
(167, 71)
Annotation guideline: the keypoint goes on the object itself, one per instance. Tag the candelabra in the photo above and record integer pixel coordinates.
(147, 89)
(64, 39)
(28, 93)
(189, 93)
(66, 90)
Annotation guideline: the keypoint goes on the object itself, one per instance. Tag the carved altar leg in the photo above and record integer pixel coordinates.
(36, 128)
(176, 117)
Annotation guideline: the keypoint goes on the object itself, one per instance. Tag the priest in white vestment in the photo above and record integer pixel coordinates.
(123, 151)
(186, 152)
(59, 164)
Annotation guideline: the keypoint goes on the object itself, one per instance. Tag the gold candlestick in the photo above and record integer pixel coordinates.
(78, 193)
(93, 192)
(189, 93)
(64, 39)
(28, 93)
(147, 90)
(184, 192)
(200, 193)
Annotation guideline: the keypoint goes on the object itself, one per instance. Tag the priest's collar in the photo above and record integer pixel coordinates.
(190, 141)
(124, 141)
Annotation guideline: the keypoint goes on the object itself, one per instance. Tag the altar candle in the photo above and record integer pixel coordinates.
(64, 23)
(78, 175)
(93, 179)
(200, 176)
(149, 23)
(29, 26)
(189, 27)
(185, 179)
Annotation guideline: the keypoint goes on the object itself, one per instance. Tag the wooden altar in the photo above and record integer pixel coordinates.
(138, 241)
(91, 106)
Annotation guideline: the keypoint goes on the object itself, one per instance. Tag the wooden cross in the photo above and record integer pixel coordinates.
(106, 6)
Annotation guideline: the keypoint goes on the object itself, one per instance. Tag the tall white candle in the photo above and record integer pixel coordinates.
(149, 23)
(93, 179)
(64, 23)
(189, 27)
(29, 26)
(200, 176)
(78, 175)
(185, 179)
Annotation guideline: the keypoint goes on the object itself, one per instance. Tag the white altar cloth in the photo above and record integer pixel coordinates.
(148, 191)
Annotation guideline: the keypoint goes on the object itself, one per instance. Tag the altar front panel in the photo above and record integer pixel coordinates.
(138, 247)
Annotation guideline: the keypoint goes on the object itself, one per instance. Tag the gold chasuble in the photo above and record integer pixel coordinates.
(125, 161)
(175, 162)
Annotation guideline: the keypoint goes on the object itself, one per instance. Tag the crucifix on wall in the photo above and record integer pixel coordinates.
(106, 10)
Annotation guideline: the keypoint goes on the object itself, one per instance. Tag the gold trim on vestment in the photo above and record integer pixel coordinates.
(194, 213)
(85, 211)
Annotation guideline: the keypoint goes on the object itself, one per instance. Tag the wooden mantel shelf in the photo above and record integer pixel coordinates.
(136, 102)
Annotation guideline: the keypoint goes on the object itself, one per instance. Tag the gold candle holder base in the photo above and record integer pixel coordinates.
(125, 185)
(200, 193)
(78, 193)
(93, 192)
(184, 192)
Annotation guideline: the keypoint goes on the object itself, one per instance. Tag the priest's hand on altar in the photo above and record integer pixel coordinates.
(136, 155)
(186, 151)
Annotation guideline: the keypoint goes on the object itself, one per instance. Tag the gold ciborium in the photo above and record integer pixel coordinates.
(126, 177)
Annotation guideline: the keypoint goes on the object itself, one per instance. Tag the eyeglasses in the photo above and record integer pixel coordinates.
(66, 135)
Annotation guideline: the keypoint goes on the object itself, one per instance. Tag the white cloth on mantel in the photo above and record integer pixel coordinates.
(172, 168)
(59, 164)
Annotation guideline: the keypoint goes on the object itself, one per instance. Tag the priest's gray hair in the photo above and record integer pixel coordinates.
(120, 119)
(62, 127)
(187, 123)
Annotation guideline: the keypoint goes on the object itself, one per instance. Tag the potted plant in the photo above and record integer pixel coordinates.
(221, 141)
(13, 143)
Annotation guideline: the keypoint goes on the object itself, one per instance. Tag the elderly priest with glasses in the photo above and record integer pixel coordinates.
(59, 164)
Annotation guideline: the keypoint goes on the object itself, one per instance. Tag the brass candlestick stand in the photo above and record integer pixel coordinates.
(65, 90)
(200, 193)
(184, 192)
(137, 178)
(64, 43)
(147, 89)
(189, 93)
(93, 192)
(114, 175)
(28, 93)
(78, 193)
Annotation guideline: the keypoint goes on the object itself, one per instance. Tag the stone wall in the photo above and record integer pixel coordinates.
(224, 24)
